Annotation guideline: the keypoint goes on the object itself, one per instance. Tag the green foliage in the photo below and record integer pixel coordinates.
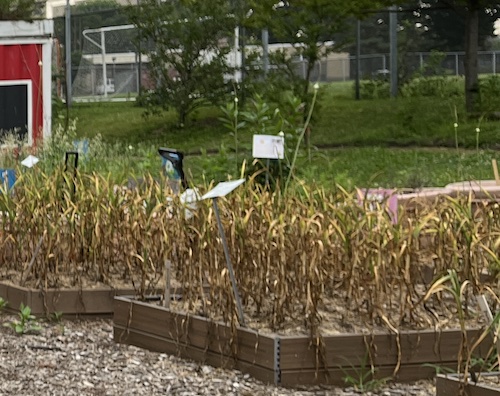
(280, 78)
(364, 129)
(3, 304)
(433, 65)
(259, 116)
(188, 61)
(438, 87)
(214, 167)
(19, 9)
(439, 369)
(309, 25)
(56, 316)
(363, 378)
(490, 93)
(374, 89)
(26, 323)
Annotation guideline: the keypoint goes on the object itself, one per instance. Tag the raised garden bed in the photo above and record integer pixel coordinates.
(488, 384)
(287, 360)
(70, 302)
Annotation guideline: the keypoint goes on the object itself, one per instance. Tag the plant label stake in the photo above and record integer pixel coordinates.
(221, 190)
(167, 297)
(73, 154)
(268, 147)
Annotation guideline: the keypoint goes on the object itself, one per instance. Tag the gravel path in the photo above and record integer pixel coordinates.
(80, 358)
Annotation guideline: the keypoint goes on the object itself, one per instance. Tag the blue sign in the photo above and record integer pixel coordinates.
(81, 146)
(7, 178)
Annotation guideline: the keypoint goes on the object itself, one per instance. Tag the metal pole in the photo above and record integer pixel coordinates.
(243, 55)
(358, 60)
(168, 277)
(139, 57)
(229, 265)
(265, 51)
(104, 74)
(268, 163)
(68, 54)
(393, 26)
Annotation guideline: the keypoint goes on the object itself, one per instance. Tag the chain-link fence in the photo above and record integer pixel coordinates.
(106, 63)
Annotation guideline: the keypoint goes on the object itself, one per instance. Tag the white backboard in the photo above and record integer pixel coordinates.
(268, 146)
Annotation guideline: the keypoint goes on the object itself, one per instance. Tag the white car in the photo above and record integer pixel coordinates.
(110, 87)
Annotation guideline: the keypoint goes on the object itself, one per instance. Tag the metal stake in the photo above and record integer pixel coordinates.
(229, 265)
(167, 296)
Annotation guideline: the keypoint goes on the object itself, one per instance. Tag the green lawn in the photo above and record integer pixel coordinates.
(404, 142)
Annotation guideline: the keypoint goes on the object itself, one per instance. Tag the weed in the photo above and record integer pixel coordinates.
(56, 317)
(362, 377)
(439, 369)
(3, 304)
(27, 322)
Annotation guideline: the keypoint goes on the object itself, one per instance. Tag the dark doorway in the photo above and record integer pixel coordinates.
(14, 110)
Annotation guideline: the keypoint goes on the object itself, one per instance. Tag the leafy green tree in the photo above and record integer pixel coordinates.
(468, 14)
(310, 25)
(190, 41)
(446, 27)
(456, 25)
(19, 9)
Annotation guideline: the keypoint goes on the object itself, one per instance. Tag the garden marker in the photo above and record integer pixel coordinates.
(221, 190)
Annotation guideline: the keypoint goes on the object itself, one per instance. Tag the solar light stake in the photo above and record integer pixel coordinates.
(229, 265)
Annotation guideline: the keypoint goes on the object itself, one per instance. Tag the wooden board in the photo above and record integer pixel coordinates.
(69, 302)
(156, 328)
(337, 376)
(449, 385)
(298, 360)
(380, 349)
(159, 344)
(247, 345)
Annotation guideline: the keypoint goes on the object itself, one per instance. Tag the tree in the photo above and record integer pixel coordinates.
(445, 22)
(190, 41)
(310, 25)
(471, 11)
(19, 9)
(447, 27)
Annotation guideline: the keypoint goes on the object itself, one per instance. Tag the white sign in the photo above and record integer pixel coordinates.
(268, 146)
(30, 161)
(223, 188)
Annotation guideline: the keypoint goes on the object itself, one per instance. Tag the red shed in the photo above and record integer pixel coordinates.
(25, 78)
